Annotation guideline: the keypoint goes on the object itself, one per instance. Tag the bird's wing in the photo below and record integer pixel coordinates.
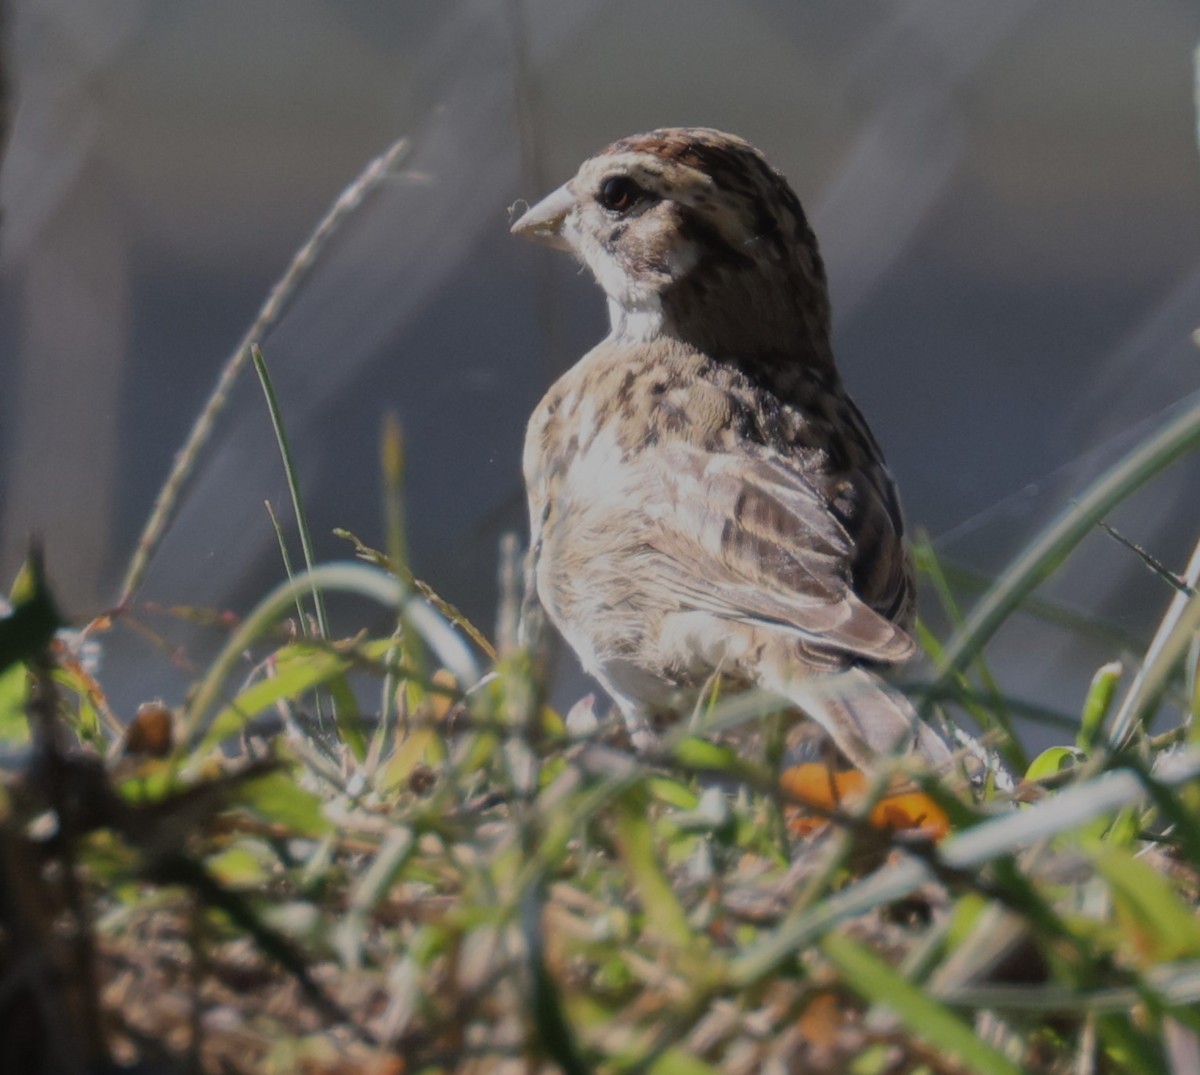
(752, 540)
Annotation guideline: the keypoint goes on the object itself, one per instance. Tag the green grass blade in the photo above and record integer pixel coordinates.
(342, 577)
(299, 669)
(1156, 920)
(1048, 551)
(1096, 706)
(293, 482)
(658, 899)
(992, 712)
(1064, 811)
(1175, 633)
(550, 1022)
(874, 980)
(285, 556)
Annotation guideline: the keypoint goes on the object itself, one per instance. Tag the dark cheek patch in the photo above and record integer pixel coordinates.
(698, 232)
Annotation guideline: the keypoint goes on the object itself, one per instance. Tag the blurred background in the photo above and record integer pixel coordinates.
(1007, 195)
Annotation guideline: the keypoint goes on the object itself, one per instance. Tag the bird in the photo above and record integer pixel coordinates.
(706, 501)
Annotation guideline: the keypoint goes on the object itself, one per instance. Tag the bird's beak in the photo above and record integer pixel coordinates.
(543, 223)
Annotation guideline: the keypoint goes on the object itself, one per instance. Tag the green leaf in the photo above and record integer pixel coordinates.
(675, 1062)
(14, 696)
(672, 792)
(1159, 925)
(876, 981)
(84, 716)
(1130, 1048)
(410, 750)
(238, 868)
(1096, 706)
(28, 629)
(298, 668)
(1051, 762)
(349, 717)
(153, 782)
(277, 798)
(340, 578)
(658, 899)
(701, 754)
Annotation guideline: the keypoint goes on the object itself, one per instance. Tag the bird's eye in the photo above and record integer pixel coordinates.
(619, 193)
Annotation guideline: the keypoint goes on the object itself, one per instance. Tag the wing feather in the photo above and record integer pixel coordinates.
(752, 540)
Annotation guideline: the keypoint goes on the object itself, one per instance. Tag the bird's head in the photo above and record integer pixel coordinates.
(691, 233)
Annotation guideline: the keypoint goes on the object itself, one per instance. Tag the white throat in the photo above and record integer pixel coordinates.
(635, 326)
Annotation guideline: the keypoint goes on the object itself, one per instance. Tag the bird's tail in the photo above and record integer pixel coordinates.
(867, 719)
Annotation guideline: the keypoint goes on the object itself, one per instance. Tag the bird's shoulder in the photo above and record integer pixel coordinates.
(664, 391)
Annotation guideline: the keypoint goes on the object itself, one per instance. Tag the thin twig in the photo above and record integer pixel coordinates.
(1149, 559)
